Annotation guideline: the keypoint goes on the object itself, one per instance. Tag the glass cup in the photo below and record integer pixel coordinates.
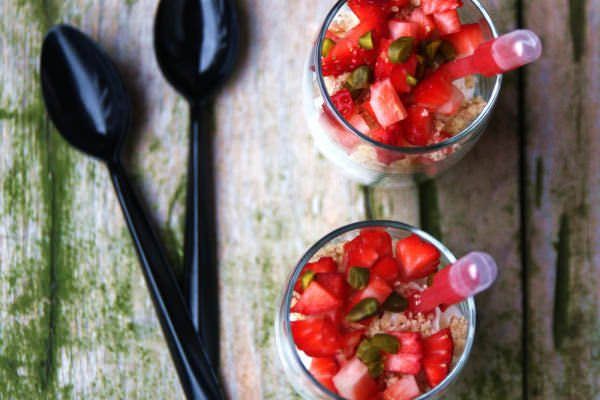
(372, 163)
(296, 365)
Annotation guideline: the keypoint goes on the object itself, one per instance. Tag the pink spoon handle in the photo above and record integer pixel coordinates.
(504, 54)
(469, 276)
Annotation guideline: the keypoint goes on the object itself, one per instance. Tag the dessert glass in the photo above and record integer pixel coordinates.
(370, 162)
(295, 364)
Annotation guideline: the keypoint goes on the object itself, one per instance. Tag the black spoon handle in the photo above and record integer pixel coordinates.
(200, 255)
(197, 377)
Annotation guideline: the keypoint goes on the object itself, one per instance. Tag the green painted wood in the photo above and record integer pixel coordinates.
(475, 206)
(563, 202)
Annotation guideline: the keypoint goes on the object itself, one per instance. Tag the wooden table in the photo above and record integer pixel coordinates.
(75, 317)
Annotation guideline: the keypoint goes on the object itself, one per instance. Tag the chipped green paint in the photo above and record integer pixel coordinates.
(429, 210)
(539, 181)
(560, 320)
(577, 24)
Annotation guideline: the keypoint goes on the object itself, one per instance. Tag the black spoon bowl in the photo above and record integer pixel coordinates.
(87, 101)
(196, 44)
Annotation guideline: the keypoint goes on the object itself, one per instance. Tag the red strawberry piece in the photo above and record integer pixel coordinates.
(398, 4)
(386, 104)
(377, 289)
(435, 372)
(434, 91)
(322, 265)
(447, 22)
(439, 347)
(452, 106)
(324, 369)
(379, 239)
(383, 135)
(353, 381)
(359, 123)
(438, 6)
(350, 342)
(403, 363)
(316, 300)
(400, 29)
(317, 337)
(387, 268)
(466, 40)
(397, 73)
(404, 389)
(425, 22)
(359, 254)
(372, 13)
(418, 126)
(410, 342)
(334, 283)
(343, 102)
(347, 55)
(417, 258)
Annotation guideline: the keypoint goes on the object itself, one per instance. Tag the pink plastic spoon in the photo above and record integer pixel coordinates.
(467, 277)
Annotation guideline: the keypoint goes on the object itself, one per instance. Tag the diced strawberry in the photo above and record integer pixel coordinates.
(322, 265)
(347, 55)
(350, 341)
(410, 342)
(359, 254)
(439, 347)
(377, 289)
(397, 73)
(343, 102)
(418, 126)
(316, 300)
(334, 283)
(370, 11)
(359, 123)
(466, 40)
(317, 337)
(447, 22)
(324, 369)
(435, 372)
(387, 268)
(386, 104)
(452, 106)
(400, 29)
(404, 389)
(379, 239)
(434, 91)
(383, 135)
(398, 4)
(417, 258)
(353, 381)
(438, 6)
(425, 22)
(403, 363)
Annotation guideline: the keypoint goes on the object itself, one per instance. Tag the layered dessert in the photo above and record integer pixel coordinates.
(358, 322)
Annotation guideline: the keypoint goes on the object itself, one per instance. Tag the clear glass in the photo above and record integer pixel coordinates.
(294, 367)
(377, 164)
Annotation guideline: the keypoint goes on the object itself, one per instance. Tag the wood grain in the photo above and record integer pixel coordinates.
(563, 219)
(475, 206)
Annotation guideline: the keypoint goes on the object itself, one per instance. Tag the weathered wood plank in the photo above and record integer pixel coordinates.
(277, 196)
(475, 206)
(563, 202)
(77, 320)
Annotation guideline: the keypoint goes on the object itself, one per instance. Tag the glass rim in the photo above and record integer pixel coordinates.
(472, 128)
(288, 294)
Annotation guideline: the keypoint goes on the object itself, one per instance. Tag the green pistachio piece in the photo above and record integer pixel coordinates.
(448, 51)
(358, 277)
(366, 41)
(401, 49)
(365, 309)
(328, 45)
(395, 303)
(431, 49)
(367, 353)
(430, 280)
(375, 368)
(385, 342)
(411, 80)
(359, 78)
(307, 278)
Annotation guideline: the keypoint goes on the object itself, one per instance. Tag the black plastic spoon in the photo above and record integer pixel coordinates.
(87, 102)
(196, 44)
